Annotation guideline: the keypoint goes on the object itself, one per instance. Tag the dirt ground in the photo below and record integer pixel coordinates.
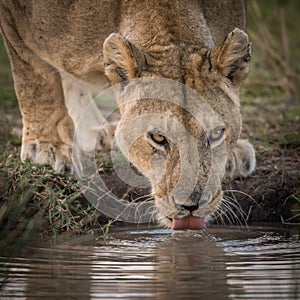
(271, 191)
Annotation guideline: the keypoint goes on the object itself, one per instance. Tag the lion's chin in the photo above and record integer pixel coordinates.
(188, 222)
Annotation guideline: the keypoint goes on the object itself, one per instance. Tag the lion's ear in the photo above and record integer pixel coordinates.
(231, 57)
(123, 61)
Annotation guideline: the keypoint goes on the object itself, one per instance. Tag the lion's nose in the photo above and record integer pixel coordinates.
(190, 208)
(195, 197)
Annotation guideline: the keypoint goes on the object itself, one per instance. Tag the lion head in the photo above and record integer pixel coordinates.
(180, 121)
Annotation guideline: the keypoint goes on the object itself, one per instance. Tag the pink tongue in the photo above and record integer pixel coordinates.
(189, 222)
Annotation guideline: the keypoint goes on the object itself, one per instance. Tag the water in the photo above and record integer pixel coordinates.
(145, 263)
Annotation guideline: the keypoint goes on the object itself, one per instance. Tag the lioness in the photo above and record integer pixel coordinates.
(199, 44)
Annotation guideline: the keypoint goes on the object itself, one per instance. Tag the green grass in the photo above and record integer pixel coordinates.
(104, 163)
(58, 195)
(34, 198)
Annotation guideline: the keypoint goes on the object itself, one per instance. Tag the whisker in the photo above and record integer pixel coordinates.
(218, 215)
(153, 217)
(229, 214)
(242, 193)
(147, 198)
(230, 206)
(150, 196)
(233, 202)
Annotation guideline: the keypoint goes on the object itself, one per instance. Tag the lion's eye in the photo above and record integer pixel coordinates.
(216, 134)
(158, 138)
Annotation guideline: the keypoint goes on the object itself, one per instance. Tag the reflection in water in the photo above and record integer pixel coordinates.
(157, 264)
(190, 267)
(268, 267)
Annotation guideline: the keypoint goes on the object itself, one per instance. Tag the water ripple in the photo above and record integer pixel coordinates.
(146, 263)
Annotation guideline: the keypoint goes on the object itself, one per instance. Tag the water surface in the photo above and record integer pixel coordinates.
(145, 263)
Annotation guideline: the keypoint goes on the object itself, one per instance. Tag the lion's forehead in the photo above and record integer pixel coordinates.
(175, 60)
(196, 114)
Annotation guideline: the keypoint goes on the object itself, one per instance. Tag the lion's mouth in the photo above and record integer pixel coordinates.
(188, 222)
(195, 222)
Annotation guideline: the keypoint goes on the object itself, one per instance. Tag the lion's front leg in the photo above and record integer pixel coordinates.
(47, 128)
(92, 130)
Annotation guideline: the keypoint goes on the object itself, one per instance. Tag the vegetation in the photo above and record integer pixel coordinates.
(271, 89)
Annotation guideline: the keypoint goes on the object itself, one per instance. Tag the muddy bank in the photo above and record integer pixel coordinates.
(272, 192)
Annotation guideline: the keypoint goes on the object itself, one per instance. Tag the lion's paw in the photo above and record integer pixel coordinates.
(58, 157)
(242, 162)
